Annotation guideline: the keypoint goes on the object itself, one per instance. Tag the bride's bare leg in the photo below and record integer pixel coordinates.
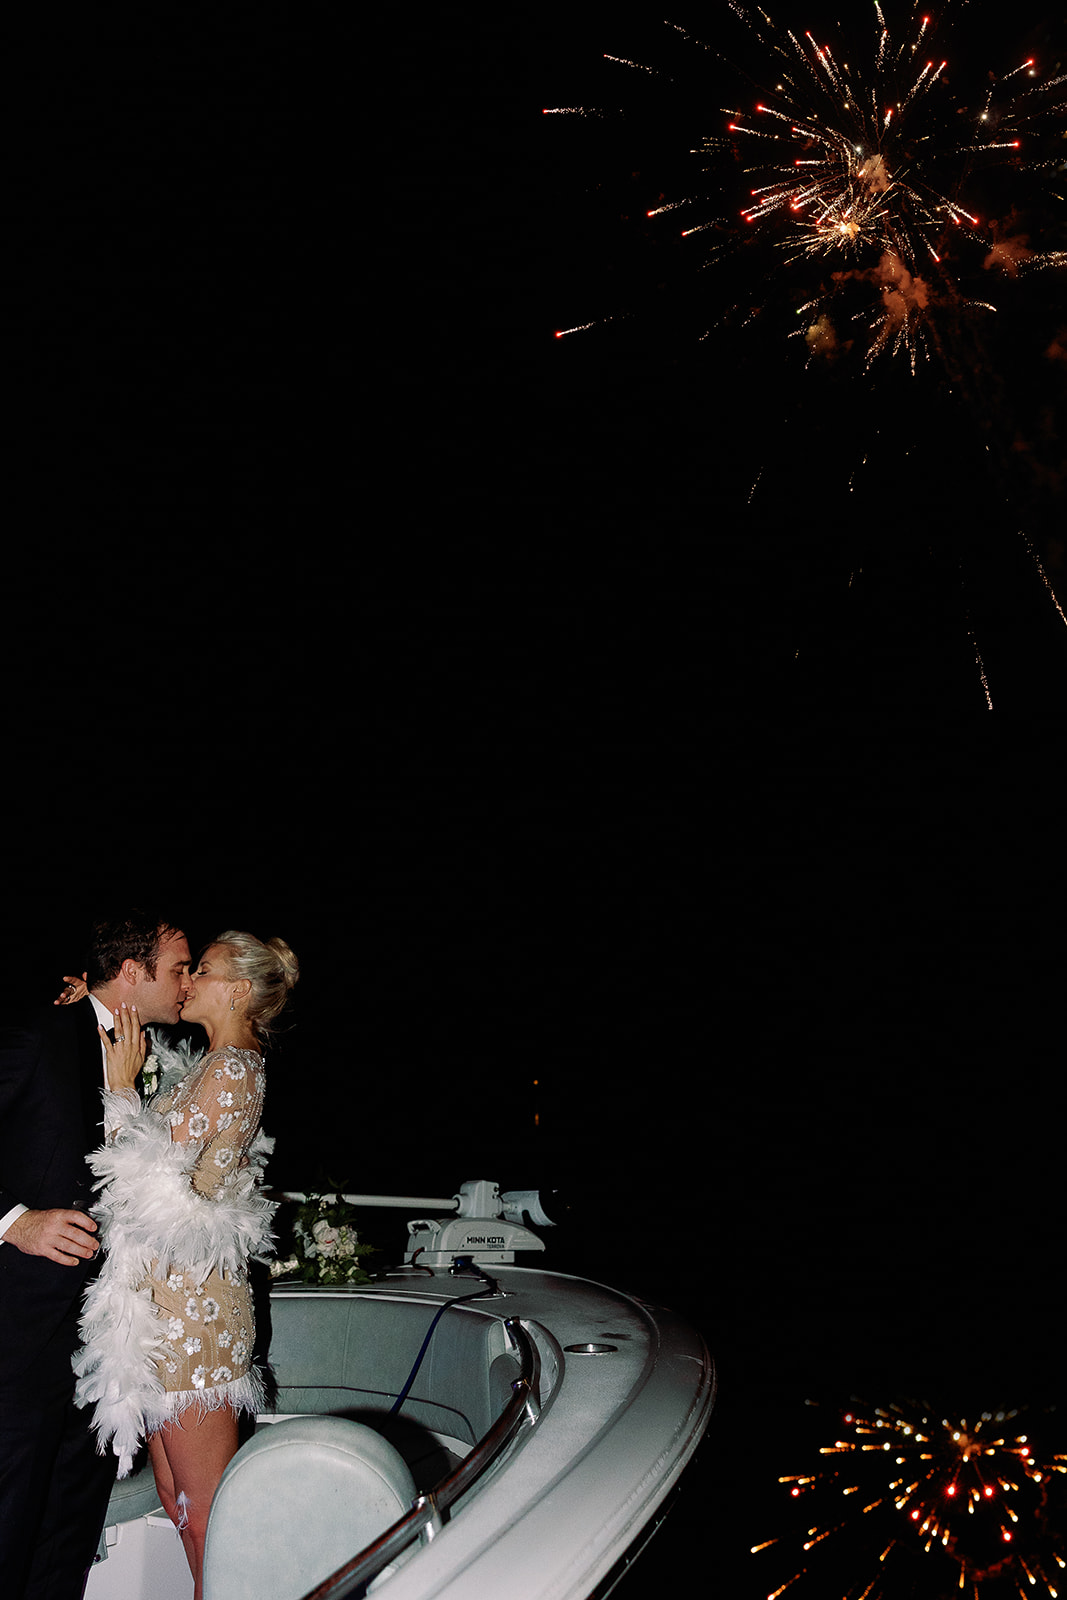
(195, 1455)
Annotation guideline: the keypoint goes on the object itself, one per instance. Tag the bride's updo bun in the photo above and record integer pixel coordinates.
(271, 968)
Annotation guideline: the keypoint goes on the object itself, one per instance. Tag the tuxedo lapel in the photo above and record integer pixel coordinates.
(90, 1073)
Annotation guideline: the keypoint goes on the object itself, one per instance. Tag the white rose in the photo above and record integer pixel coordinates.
(325, 1236)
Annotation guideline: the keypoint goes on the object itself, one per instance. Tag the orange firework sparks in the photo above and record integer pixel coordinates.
(977, 1495)
(864, 166)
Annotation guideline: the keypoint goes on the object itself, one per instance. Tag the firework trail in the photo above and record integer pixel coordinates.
(1043, 575)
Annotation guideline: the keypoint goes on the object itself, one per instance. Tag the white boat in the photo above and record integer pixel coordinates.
(461, 1427)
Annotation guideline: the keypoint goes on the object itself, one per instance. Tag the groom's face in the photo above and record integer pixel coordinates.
(160, 999)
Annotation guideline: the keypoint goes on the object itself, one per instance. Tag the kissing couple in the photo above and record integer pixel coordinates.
(129, 1319)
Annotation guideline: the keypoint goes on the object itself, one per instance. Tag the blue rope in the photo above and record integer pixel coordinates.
(458, 1301)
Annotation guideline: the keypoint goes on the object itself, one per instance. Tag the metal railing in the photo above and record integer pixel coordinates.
(427, 1515)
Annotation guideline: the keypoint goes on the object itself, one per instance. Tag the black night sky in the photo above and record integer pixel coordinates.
(588, 781)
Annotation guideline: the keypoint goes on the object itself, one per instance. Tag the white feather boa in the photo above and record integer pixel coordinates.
(152, 1219)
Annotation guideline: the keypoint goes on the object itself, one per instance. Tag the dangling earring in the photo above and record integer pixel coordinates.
(231, 1002)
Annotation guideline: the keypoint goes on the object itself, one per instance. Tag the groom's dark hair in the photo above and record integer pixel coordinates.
(132, 935)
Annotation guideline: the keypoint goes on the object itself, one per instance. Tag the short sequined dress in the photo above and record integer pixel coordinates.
(168, 1322)
(209, 1325)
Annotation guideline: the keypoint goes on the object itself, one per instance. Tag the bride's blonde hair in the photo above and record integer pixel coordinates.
(271, 968)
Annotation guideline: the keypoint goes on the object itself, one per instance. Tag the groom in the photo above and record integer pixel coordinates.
(54, 1487)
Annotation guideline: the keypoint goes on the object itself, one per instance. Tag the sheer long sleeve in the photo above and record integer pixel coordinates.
(220, 1118)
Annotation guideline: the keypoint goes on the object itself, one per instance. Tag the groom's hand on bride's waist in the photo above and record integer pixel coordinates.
(63, 1236)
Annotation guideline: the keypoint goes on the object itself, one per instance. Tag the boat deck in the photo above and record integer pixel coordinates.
(625, 1392)
(621, 1396)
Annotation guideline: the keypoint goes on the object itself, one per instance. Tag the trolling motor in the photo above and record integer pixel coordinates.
(489, 1226)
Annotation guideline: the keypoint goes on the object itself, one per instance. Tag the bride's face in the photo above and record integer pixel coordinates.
(212, 986)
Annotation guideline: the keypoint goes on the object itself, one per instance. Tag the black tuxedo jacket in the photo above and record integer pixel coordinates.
(51, 1116)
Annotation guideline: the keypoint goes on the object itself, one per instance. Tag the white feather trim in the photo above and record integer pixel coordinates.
(175, 1060)
(153, 1220)
(149, 1211)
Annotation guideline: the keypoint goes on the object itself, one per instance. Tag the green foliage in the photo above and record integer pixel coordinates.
(326, 1245)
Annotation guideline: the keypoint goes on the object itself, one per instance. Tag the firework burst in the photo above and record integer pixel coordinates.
(866, 196)
(871, 168)
(975, 1496)
(866, 170)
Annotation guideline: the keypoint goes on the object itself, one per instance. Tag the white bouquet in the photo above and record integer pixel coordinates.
(326, 1245)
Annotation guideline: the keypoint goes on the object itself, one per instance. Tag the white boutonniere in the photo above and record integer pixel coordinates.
(150, 1076)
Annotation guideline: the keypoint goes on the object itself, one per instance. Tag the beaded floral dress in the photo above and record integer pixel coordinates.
(209, 1325)
(168, 1322)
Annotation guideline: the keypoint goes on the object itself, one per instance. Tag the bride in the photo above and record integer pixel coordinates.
(168, 1325)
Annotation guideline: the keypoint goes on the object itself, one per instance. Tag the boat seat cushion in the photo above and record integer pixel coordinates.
(298, 1501)
(351, 1354)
